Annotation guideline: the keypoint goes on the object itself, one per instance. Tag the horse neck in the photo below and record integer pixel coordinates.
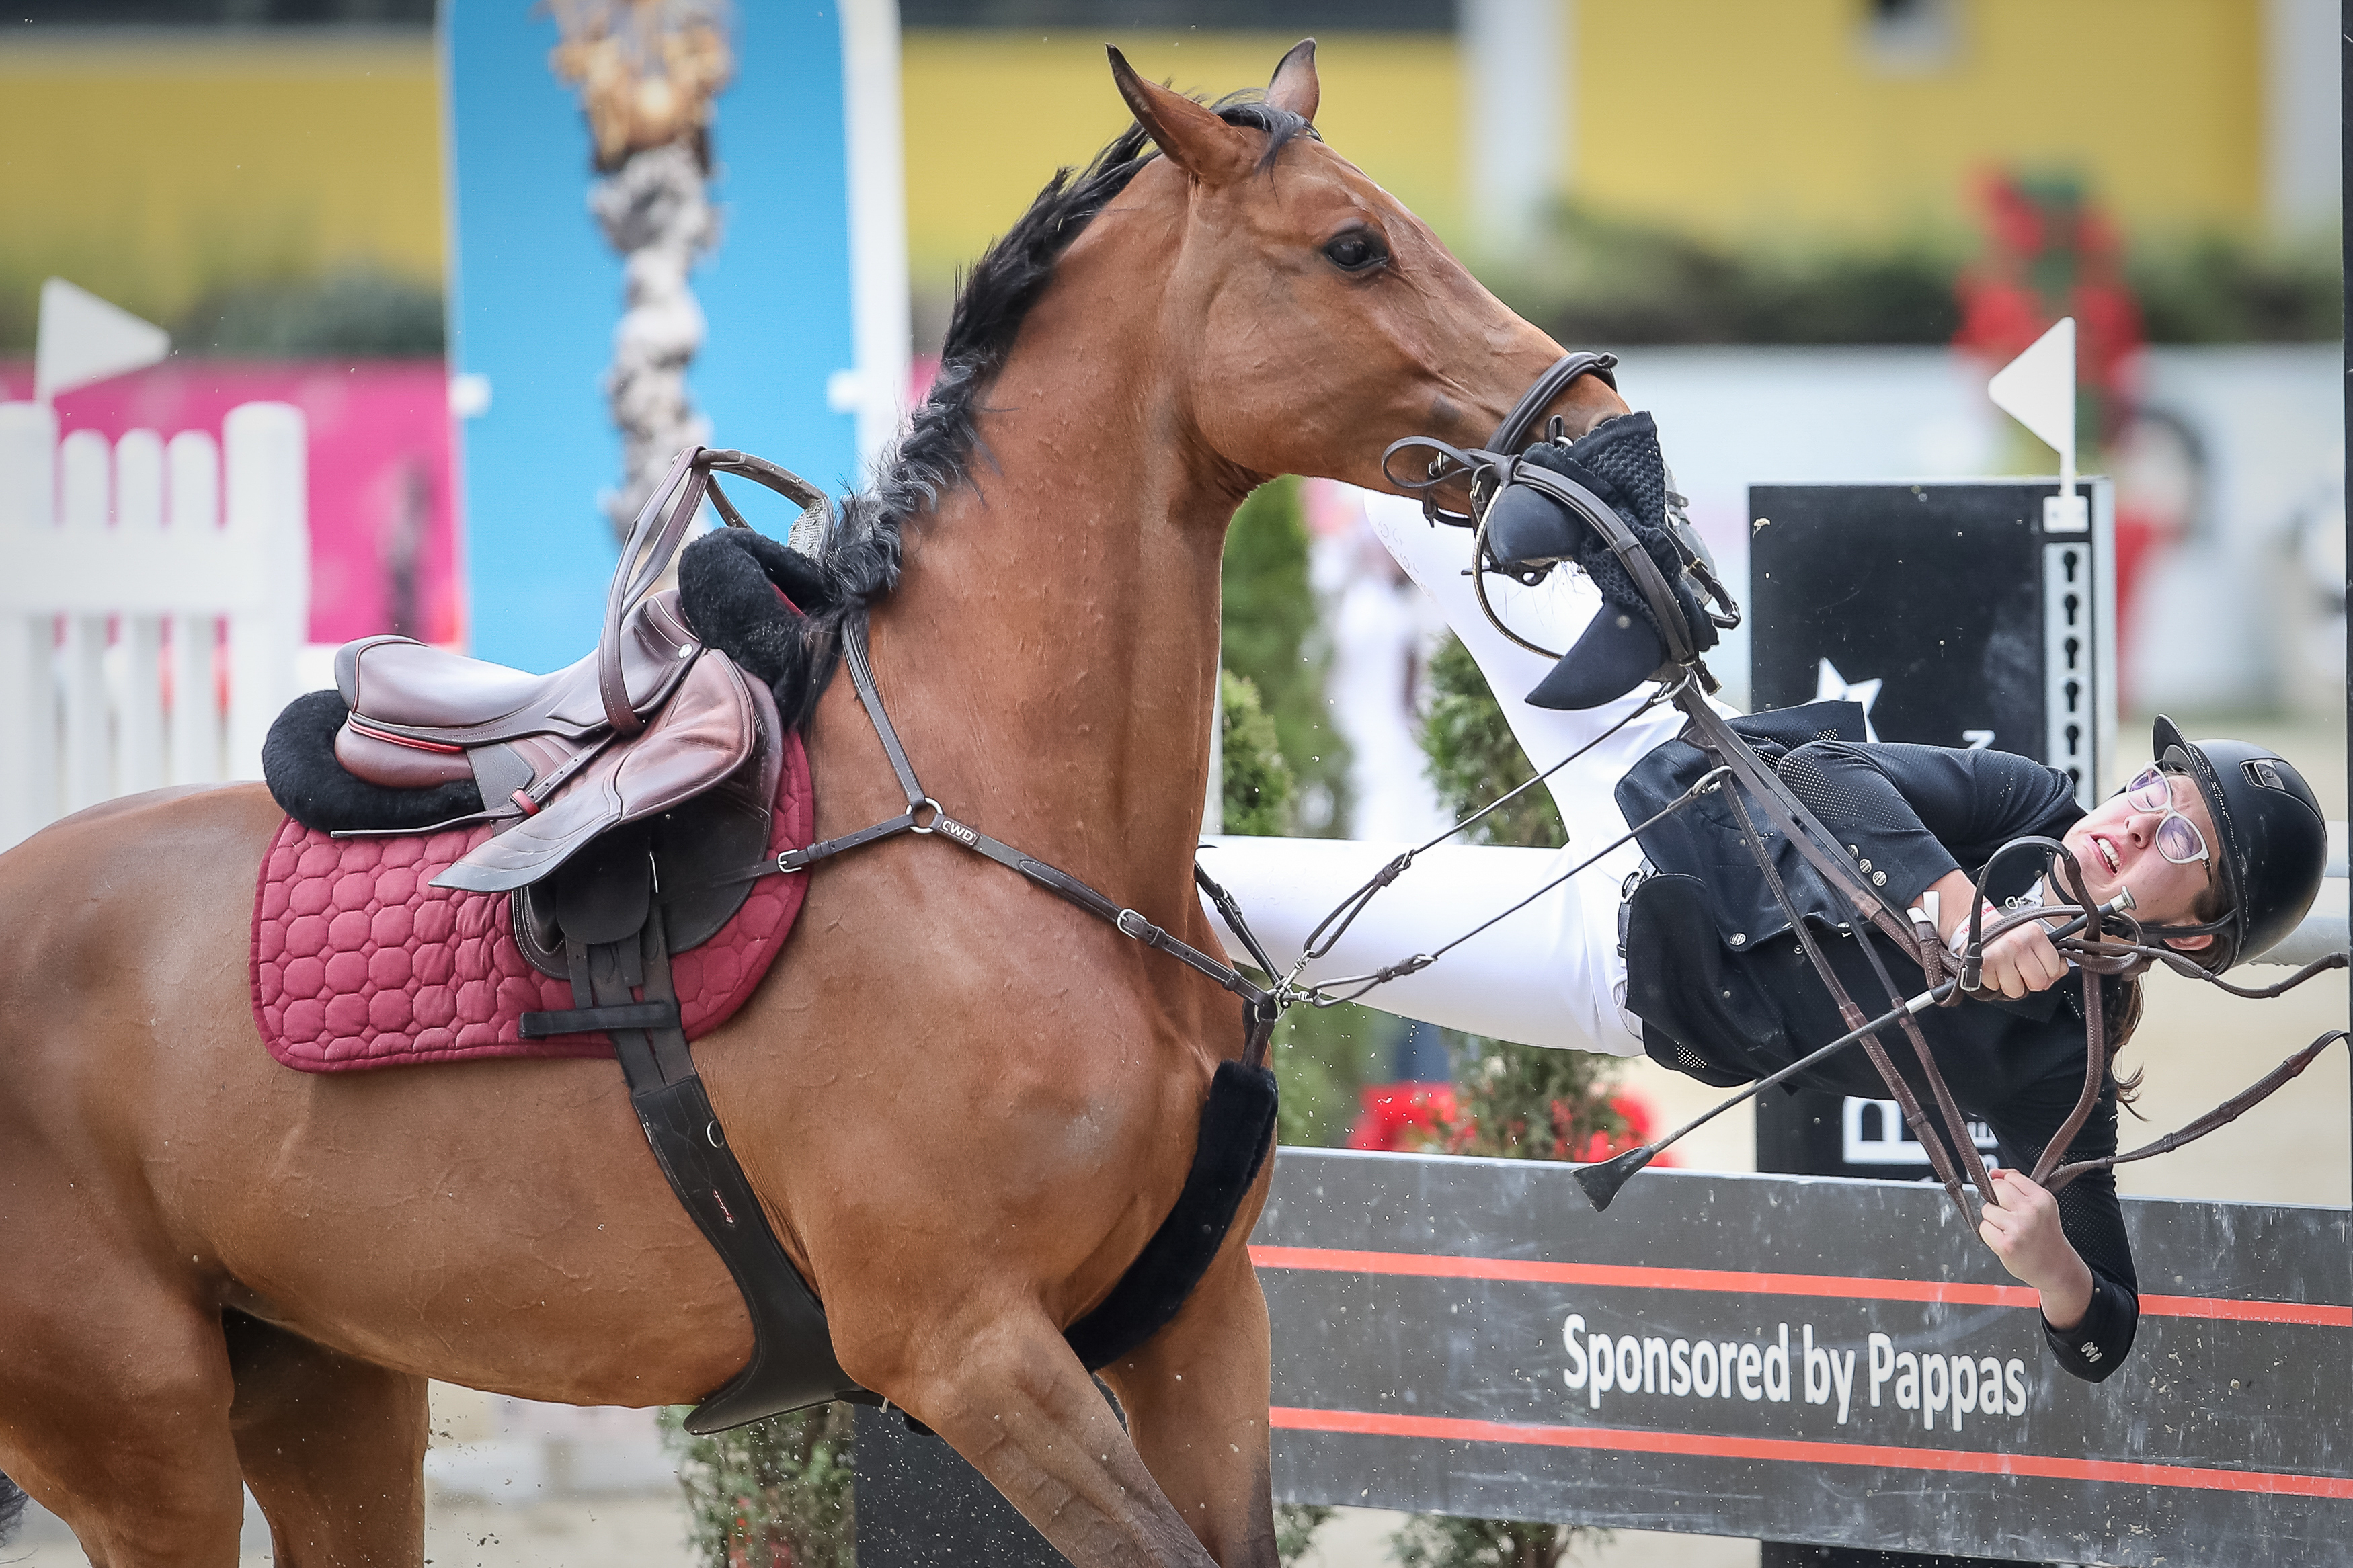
(1055, 628)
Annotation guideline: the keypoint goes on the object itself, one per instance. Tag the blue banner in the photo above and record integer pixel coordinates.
(535, 292)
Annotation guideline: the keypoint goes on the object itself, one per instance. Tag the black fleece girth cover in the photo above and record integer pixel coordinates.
(1237, 1130)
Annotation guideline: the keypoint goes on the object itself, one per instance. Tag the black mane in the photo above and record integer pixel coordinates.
(860, 558)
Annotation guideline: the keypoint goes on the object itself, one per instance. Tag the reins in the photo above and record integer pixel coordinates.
(1334, 926)
(2096, 952)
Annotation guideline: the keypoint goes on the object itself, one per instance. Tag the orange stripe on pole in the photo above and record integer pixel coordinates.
(2247, 1311)
(1840, 1287)
(1371, 1423)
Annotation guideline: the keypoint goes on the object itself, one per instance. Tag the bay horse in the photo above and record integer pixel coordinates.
(965, 1103)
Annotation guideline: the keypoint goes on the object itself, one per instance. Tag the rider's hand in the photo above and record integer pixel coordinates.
(2020, 961)
(2021, 1224)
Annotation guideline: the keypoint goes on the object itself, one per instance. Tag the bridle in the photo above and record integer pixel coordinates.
(1485, 471)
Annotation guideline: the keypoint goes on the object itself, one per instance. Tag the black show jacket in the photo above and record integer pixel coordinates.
(1726, 994)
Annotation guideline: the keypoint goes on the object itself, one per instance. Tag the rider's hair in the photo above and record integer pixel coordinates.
(2122, 996)
(2212, 905)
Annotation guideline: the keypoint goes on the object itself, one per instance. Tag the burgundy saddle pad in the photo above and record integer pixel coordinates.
(359, 962)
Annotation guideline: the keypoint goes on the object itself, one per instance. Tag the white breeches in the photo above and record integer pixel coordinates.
(1547, 976)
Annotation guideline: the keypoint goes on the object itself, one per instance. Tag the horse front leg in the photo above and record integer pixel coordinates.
(1012, 1399)
(1195, 1397)
(332, 1447)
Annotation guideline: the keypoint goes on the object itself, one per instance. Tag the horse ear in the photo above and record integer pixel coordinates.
(1294, 86)
(1193, 137)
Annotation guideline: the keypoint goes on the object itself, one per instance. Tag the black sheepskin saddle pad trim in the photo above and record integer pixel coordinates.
(757, 600)
(744, 592)
(298, 763)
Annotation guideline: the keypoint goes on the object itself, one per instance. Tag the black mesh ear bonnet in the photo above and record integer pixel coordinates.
(1619, 461)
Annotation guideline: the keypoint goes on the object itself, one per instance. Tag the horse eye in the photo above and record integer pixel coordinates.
(1355, 250)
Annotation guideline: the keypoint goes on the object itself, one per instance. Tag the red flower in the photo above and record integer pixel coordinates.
(1401, 1117)
(1630, 1109)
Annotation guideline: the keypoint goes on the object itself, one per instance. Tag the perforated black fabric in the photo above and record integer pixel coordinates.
(1623, 453)
(1862, 798)
(1619, 461)
(1918, 812)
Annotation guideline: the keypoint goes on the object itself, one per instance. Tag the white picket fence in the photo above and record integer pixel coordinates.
(155, 596)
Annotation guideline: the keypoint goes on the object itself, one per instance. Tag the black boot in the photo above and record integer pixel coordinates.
(1619, 651)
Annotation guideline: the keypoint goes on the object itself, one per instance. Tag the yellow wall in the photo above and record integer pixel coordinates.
(989, 117)
(1745, 118)
(148, 167)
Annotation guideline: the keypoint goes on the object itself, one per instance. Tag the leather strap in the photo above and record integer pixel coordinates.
(661, 528)
(870, 696)
(2222, 1116)
(791, 1363)
(1262, 1010)
(1940, 1160)
(1481, 465)
(1815, 844)
(1623, 544)
(653, 540)
(802, 859)
(1513, 432)
(598, 1020)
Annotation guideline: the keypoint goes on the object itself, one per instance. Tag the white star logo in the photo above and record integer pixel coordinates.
(1830, 686)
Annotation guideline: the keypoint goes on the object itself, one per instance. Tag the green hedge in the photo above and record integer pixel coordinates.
(1593, 278)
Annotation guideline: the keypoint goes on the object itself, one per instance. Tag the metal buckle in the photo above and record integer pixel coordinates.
(1139, 931)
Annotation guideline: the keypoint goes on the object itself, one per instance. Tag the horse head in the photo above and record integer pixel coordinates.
(1327, 320)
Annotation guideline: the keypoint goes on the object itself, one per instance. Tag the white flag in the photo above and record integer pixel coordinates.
(83, 339)
(2037, 389)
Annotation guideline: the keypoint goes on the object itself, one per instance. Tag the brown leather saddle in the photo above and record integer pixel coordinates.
(634, 790)
(654, 749)
(647, 723)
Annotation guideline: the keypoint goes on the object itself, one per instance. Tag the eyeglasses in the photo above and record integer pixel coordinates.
(2178, 839)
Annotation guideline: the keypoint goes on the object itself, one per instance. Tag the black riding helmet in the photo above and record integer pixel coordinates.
(2273, 845)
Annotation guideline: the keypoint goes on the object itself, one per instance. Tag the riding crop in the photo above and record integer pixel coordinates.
(1600, 1181)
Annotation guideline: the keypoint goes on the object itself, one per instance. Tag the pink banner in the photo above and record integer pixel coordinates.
(383, 535)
